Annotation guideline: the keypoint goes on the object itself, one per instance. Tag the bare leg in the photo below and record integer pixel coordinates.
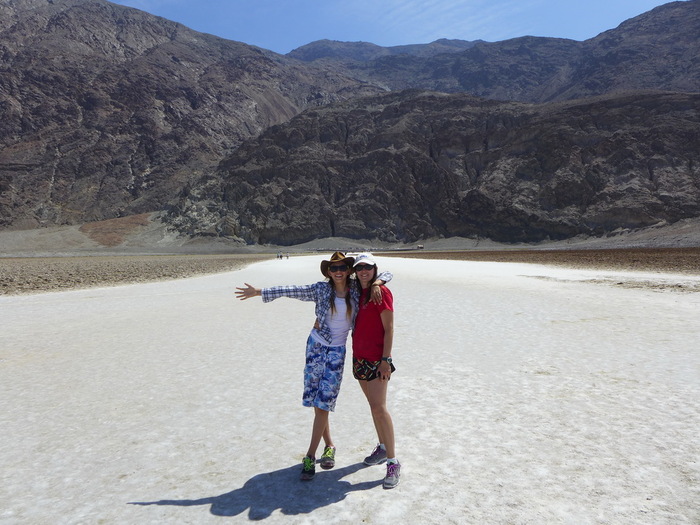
(320, 429)
(375, 392)
(327, 440)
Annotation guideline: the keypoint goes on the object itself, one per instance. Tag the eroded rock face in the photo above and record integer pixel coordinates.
(406, 166)
(109, 111)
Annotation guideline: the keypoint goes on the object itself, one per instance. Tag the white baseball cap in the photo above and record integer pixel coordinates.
(364, 258)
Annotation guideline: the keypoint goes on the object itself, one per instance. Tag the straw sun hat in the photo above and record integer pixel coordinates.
(337, 257)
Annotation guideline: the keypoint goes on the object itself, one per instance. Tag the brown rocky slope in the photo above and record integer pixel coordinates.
(109, 111)
(413, 165)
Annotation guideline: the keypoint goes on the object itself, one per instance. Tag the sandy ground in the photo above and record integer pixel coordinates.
(141, 248)
(40, 274)
(674, 260)
(36, 274)
(524, 394)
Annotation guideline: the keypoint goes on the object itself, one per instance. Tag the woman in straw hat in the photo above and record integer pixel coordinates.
(336, 307)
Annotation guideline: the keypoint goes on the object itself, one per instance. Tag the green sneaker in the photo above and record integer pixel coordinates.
(308, 469)
(328, 458)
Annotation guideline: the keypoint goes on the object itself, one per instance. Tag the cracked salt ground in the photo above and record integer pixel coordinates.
(516, 400)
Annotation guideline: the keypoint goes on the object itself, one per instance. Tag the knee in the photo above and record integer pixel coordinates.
(378, 409)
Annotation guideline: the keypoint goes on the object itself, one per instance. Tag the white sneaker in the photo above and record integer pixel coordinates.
(392, 475)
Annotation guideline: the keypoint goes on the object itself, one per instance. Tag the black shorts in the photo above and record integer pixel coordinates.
(364, 370)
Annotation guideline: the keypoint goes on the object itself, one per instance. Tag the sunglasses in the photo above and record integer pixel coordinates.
(338, 268)
(363, 267)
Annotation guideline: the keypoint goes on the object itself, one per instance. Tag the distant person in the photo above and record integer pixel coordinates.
(372, 366)
(337, 302)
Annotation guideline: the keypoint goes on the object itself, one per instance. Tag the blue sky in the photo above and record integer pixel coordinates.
(283, 25)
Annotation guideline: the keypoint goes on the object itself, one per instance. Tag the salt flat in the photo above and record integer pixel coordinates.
(523, 394)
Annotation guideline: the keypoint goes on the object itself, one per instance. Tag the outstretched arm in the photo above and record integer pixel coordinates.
(247, 292)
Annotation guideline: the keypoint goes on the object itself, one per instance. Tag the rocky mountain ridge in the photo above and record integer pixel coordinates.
(655, 50)
(110, 112)
(335, 52)
(412, 165)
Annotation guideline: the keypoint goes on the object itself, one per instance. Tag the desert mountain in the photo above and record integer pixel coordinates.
(338, 54)
(108, 111)
(655, 50)
(412, 165)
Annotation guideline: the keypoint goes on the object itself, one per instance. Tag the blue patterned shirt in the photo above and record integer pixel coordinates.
(320, 293)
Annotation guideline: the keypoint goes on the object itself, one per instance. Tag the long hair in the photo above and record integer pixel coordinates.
(371, 282)
(348, 302)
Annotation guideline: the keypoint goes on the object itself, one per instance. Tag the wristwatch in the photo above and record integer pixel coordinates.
(387, 359)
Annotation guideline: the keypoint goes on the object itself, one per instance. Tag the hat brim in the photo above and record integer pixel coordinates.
(349, 262)
(366, 261)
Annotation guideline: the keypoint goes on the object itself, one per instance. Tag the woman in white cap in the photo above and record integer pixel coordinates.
(336, 307)
(372, 341)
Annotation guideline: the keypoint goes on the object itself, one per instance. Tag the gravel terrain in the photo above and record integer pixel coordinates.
(141, 248)
(674, 260)
(42, 274)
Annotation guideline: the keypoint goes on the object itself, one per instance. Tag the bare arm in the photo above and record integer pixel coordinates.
(387, 317)
(375, 295)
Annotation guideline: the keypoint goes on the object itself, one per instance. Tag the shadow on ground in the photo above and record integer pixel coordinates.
(281, 489)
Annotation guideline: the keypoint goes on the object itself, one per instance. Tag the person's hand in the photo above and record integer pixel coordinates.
(384, 370)
(375, 295)
(247, 292)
